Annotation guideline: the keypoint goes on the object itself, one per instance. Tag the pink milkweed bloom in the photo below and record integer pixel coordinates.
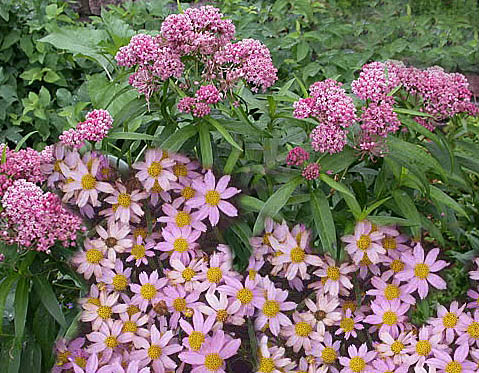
(419, 271)
(211, 358)
(447, 321)
(445, 363)
(180, 243)
(148, 292)
(108, 338)
(126, 203)
(389, 315)
(337, 280)
(211, 197)
(198, 332)
(156, 168)
(358, 360)
(364, 241)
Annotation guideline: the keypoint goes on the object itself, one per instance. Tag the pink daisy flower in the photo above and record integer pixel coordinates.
(126, 203)
(272, 359)
(216, 272)
(325, 311)
(210, 198)
(468, 329)
(390, 291)
(133, 324)
(446, 364)
(389, 315)
(327, 352)
(447, 321)
(181, 218)
(180, 303)
(198, 332)
(262, 245)
(141, 251)
(395, 348)
(358, 359)
(155, 169)
(113, 239)
(148, 292)
(242, 295)
(118, 278)
(474, 275)
(108, 338)
(302, 333)
(349, 324)
(419, 271)
(427, 344)
(394, 263)
(186, 170)
(223, 310)
(393, 241)
(336, 277)
(189, 276)
(92, 261)
(181, 242)
(364, 241)
(387, 366)
(475, 296)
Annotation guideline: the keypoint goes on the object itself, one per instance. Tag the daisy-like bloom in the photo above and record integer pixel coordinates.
(366, 266)
(349, 324)
(419, 271)
(118, 278)
(184, 169)
(188, 276)
(85, 181)
(447, 321)
(393, 241)
(327, 352)
(390, 315)
(254, 265)
(118, 367)
(427, 344)
(107, 339)
(113, 239)
(218, 270)
(270, 308)
(475, 296)
(156, 350)
(92, 261)
(212, 357)
(101, 312)
(395, 348)
(155, 169)
(262, 245)
(157, 192)
(324, 312)
(364, 241)
(242, 295)
(181, 218)
(148, 292)
(54, 169)
(387, 366)
(64, 353)
(126, 203)
(210, 197)
(186, 192)
(336, 277)
(301, 333)
(223, 310)
(468, 329)
(446, 364)
(394, 262)
(133, 324)
(198, 332)
(390, 291)
(141, 250)
(180, 242)
(295, 256)
(272, 359)
(358, 359)
(180, 302)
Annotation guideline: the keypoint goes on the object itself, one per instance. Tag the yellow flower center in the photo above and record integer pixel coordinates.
(397, 347)
(423, 347)
(124, 200)
(138, 251)
(88, 182)
(182, 219)
(390, 318)
(212, 197)
(62, 357)
(129, 326)
(421, 271)
(94, 301)
(155, 169)
(148, 291)
(333, 273)
(297, 255)
(303, 329)
(104, 312)
(266, 365)
(349, 305)
(81, 362)
(347, 324)
(392, 292)
(120, 282)
(196, 340)
(266, 240)
(450, 320)
(154, 352)
(179, 304)
(365, 261)
(94, 256)
(221, 315)
(453, 367)
(188, 192)
(180, 169)
(397, 265)
(357, 364)
(188, 312)
(180, 245)
(111, 341)
(214, 274)
(270, 308)
(329, 355)
(132, 309)
(364, 242)
(188, 274)
(244, 295)
(56, 166)
(473, 330)
(213, 362)
(389, 243)
(156, 187)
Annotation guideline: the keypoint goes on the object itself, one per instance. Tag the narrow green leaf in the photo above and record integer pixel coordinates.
(72, 330)
(21, 306)
(412, 112)
(5, 287)
(226, 135)
(409, 211)
(388, 220)
(323, 221)
(205, 146)
(275, 203)
(175, 141)
(412, 124)
(231, 161)
(248, 203)
(373, 207)
(49, 300)
(22, 141)
(253, 341)
(131, 136)
(440, 197)
(337, 186)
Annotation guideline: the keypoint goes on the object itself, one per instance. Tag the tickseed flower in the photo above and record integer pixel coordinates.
(447, 321)
(365, 241)
(325, 311)
(389, 315)
(302, 333)
(242, 295)
(349, 324)
(107, 338)
(224, 311)
(140, 251)
(390, 291)
(335, 277)
(148, 292)
(113, 239)
(92, 261)
(118, 278)
(327, 352)
(198, 332)
(188, 276)
(395, 348)
(180, 303)
(126, 203)
(427, 344)
(180, 243)
(458, 363)
(272, 359)
(468, 329)
(156, 168)
(358, 359)
(181, 218)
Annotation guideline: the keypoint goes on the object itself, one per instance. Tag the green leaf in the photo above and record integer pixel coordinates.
(323, 221)
(131, 136)
(414, 113)
(412, 124)
(21, 306)
(253, 341)
(373, 207)
(275, 203)
(72, 330)
(237, 236)
(231, 161)
(388, 220)
(205, 146)
(442, 198)
(5, 287)
(22, 141)
(348, 196)
(226, 135)
(302, 50)
(408, 209)
(339, 161)
(248, 203)
(176, 140)
(48, 298)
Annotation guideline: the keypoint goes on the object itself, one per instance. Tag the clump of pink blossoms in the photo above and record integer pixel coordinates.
(94, 128)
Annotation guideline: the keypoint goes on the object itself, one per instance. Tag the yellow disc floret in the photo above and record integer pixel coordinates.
(266, 365)
(154, 352)
(390, 318)
(155, 169)
(148, 291)
(392, 292)
(297, 255)
(397, 347)
(124, 200)
(303, 329)
(364, 242)
(421, 271)
(182, 219)
(245, 296)
(188, 274)
(120, 282)
(212, 197)
(104, 312)
(329, 355)
(214, 275)
(180, 245)
(271, 308)
(213, 362)
(450, 320)
(88, 182)
(196, 340)
(94, 256)
(333, 273)
(138, 251)
(179, 304)
(423, 347)
(357, 364)
(347, 324)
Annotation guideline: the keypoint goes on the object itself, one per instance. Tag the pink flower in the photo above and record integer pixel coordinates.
(446, 363)
(468, 329)
(349, 323)
(108, 338)
(114, 239)
(180, 303)
(92, 261)
(141, 251)
(395, 348)
(447, 321)
(426, 345)
(474, 275)
(181, 218)
(302, 333)
(389, 315)
(311, 171)
(148, 292)
(419, 271)
(390, 291)
(224, 311)
(325, 311)
(126, 203)
(198, 333)
(188, 276)
(297, 156)
(365, 241)
(243, 296)
(272, 357)
(118, 279)
(211, 198)
(336, 278)
(181, 242)
(327, 352)
(358, 359)
(155, 169)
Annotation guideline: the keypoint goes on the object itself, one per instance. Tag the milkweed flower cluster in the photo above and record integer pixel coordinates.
(200, 37)
(353, 317)
(160, 299)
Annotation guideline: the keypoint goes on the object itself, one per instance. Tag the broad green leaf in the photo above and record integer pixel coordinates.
(275, 203)
(323, 221)
(408, 209)
(205, 146)
(22, 141)
(339, 161)
(237, 235)
(440, 197)
(248, 203)
(31, 358)
(5, 287)
(48, 298)
(72, 330)
(302, 50)
(226, 135)
(131, 136)
(176, 140)
(412, 124)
